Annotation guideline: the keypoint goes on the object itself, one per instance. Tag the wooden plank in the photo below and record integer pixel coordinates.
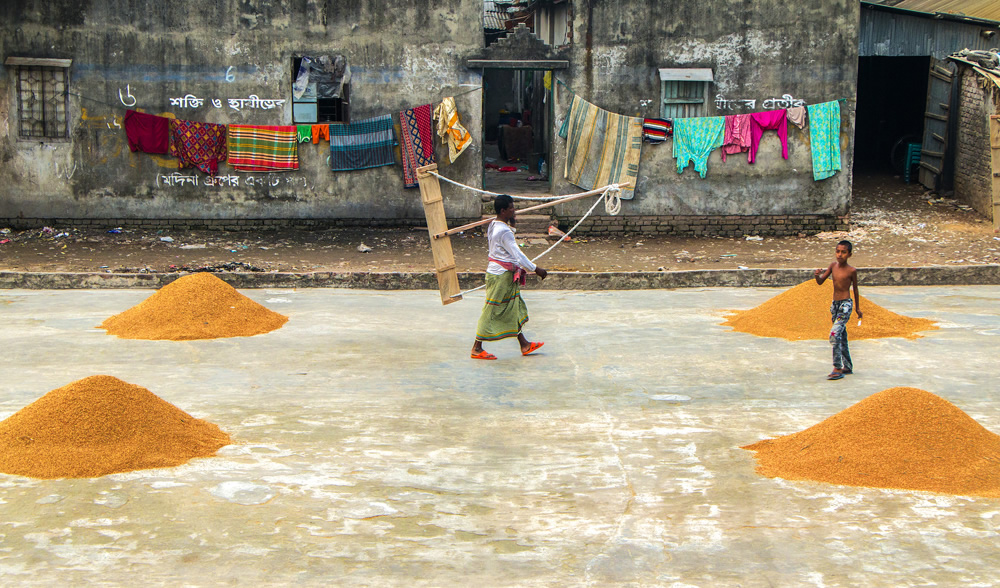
(936, 116)
(444, 257)
(995, 132)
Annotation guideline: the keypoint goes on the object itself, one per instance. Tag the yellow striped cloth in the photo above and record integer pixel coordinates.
(601, 147)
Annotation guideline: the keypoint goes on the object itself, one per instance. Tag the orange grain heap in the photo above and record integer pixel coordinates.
(101, 425)
(803, 312)
(898, 438)
(196, 306)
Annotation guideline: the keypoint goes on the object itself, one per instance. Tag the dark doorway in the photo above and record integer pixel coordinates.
(516, 127)
(892, 95)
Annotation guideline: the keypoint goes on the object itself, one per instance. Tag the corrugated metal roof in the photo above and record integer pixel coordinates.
(985, 9)
(897, 34)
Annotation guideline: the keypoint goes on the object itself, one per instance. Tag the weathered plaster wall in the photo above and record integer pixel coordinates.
(758, 50)
(151, 51)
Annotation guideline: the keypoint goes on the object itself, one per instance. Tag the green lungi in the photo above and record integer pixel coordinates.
(504, 312)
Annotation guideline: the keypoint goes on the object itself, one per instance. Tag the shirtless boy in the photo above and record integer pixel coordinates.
(844, 278)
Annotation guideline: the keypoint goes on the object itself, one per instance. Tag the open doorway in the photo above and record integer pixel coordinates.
(517, 131)
(892, 99)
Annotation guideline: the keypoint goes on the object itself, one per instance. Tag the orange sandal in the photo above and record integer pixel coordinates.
(483, 355)
(533, 348)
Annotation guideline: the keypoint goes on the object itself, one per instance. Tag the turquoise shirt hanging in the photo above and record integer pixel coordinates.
(695, 139)
(824, 138)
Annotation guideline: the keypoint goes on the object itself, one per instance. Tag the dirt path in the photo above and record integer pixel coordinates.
(892, 224)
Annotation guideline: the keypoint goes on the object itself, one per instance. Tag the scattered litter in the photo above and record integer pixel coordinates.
(555, 232)
(364, 248)
(742, 267)
(167, 239)
(5, 231)
(4, 241)
(48, 230)
(198, 246)
(728, 255)
(754, 238)
(115, 231)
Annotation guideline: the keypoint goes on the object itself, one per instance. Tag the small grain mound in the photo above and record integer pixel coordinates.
(898, 438)
(101, 425)
(196, 306)
(803, 312)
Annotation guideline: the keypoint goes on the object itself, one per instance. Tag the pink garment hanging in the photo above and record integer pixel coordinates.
(766, 121)
(737, 135)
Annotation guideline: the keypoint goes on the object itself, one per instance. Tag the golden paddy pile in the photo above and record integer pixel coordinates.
(903, 438)
(102, 425)
(196, 306)
(803, 312)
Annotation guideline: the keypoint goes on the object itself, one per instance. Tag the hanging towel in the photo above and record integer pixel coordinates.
(824, 138)
(417, 141)
(363, 144)
(656, 130)
(450, 129)
(198, 144)
(263, 148)
(695, 139)
(765, 121)
(147, 132)
(320, 132)
(737, 136)
(797, 116)
(601, 147)
(303, 133)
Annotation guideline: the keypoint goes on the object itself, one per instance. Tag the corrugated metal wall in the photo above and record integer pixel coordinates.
(892, 34)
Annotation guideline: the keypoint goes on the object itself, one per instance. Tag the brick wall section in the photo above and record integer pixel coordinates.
(973, 183)
(678, 226)
(712, 226)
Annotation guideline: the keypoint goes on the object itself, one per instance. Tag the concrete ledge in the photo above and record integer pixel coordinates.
(962, 275)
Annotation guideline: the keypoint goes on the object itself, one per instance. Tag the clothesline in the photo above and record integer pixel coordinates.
(565, 85)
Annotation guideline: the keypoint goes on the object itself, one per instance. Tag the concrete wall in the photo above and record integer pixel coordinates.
(403, 54)
(757, 51)
(220, 49)
(973, 177)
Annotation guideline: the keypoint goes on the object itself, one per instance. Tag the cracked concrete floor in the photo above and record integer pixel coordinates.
(370, 451)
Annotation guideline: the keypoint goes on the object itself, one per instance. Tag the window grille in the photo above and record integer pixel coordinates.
(42, 102)
(684, 92)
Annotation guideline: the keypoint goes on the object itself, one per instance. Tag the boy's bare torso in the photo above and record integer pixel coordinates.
(842, 277)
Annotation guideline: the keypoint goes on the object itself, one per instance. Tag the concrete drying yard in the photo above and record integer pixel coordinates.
(371, 451)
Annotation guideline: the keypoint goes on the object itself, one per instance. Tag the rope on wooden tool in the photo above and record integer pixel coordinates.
(612, 204)
(488, 193)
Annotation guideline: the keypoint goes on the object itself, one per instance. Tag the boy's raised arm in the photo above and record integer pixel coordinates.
(822, 275)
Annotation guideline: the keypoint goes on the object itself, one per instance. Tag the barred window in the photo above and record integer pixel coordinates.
(42, 87)
(684, 91)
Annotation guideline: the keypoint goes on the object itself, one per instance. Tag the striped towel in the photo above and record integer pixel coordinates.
(256, 148)
(602, 148)
(363, 144)
(418, 142)
(656, 130)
